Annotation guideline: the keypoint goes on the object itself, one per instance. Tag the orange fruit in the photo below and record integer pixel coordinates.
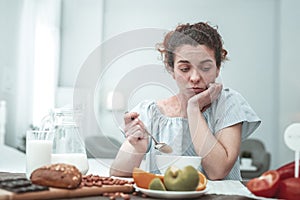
(143, 178)
(202, 182)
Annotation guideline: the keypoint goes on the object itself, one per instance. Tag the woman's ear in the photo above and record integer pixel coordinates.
(218, 72)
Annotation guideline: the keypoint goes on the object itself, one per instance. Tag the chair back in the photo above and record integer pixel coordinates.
(102, 146)
(253, 146)
(255, 149)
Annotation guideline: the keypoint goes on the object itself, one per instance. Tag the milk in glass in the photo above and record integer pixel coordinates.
(38, 152)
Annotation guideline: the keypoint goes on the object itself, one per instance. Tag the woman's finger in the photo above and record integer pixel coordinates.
(133, 127)
(129, 116)
(135, 137)
(214, 90)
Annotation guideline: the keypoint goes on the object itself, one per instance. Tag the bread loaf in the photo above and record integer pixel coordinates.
(57, 175)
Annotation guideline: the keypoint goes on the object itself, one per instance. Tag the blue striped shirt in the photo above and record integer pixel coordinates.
(229, 109)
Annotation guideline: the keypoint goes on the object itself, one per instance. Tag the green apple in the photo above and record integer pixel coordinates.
(185, 179)
(157, 184)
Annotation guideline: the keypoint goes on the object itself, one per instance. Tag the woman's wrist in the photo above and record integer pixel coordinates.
(192, 105)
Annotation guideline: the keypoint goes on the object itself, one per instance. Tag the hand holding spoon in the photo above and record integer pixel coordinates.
(160, 146)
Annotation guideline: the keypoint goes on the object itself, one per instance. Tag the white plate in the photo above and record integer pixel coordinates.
(171, 194)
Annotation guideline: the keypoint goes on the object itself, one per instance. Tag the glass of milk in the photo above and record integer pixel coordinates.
(38, 149)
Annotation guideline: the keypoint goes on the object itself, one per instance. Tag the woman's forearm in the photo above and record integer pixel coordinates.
(218, 154)
(220, 160)
(202, 138)
(206, 146)
(126, 159)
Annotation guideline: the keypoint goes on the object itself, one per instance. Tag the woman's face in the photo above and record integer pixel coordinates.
(194, 68)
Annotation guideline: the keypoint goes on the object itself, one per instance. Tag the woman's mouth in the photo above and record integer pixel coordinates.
(197, 90)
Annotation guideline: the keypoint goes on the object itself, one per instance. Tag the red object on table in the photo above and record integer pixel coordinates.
(289, 189)
(266, 185)
(287, 170)
(279, 183)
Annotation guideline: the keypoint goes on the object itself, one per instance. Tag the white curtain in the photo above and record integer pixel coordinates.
(46, 57)
(38, 60)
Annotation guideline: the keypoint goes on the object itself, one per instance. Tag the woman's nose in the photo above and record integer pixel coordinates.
(195, 76)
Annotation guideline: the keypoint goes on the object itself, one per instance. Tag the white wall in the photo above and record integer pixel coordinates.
(81, 33)
(288, 74)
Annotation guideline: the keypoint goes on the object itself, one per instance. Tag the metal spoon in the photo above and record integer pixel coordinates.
(160, 146)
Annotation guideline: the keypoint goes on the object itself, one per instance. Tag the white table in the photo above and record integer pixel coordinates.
(99, 166)
(14, 161)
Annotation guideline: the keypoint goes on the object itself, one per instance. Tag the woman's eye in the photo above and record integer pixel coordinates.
(205, 68)
(185, 69)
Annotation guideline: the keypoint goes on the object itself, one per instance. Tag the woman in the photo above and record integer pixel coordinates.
(203, 119)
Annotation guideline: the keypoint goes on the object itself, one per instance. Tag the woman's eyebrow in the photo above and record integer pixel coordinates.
(183, 61)
(205, 61)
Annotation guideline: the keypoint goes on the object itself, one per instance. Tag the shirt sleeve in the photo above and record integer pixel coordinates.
(231, 108)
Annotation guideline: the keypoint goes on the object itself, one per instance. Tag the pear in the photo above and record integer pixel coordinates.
(157, 184)
(185, 179)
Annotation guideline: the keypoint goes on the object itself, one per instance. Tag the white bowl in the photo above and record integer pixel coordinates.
(165, 161)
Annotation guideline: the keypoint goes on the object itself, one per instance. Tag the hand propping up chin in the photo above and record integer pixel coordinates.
(204, 99)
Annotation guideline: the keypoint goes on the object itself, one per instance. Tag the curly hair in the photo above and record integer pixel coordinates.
(193, 34)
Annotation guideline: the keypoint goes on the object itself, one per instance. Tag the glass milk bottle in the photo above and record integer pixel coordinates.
(68, 147)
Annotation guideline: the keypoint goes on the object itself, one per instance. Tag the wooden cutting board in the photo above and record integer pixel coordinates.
(54, 193)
